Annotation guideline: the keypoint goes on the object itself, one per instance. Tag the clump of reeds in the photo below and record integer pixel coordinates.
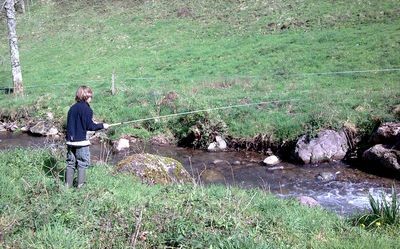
(384, 211)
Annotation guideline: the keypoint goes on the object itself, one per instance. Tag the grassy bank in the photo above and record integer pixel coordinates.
(38, 212)
(212, 54)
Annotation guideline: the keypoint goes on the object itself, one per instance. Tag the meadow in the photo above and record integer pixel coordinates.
(311, 64)
(118, 211)
(295, 67)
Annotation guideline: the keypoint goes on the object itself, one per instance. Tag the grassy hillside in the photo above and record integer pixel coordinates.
(36, 211)
(297, 54)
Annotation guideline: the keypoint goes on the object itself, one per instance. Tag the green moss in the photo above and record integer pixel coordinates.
(155, 172)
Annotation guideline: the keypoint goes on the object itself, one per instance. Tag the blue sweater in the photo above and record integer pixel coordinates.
(80, 120)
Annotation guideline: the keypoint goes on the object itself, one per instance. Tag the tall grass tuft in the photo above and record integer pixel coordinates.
(383, 211)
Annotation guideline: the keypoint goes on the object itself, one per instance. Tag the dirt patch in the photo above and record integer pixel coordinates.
(287, 25)
(184, 12)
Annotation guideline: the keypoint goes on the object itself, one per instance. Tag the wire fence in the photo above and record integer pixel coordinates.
(107, 82)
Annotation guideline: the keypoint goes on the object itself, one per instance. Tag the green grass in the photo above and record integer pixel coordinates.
(224, 53)
(383, 211)
(38, 212)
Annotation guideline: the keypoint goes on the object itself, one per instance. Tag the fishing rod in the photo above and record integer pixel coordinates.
(201, 110)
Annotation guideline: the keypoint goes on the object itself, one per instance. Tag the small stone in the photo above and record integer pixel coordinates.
(25, 129)
(121, 144)
(276, 168)
(217, 161)
(52, 131)
(236, 162)
(212, 147)
(221, 144)
(50, 116)
(308, 201)
(271, 160)
(326, 176)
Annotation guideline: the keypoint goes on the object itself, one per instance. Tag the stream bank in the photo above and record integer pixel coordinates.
(345, 194)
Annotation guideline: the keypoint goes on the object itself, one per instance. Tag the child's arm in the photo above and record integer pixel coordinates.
(92, 126)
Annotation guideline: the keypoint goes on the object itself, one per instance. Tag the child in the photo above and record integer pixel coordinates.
(79, 121)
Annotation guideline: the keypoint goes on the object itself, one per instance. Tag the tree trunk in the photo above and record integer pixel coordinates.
(13, 41)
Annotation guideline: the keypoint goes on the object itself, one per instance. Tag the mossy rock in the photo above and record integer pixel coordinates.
(154, 169)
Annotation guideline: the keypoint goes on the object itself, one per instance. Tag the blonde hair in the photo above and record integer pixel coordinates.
(83, 93)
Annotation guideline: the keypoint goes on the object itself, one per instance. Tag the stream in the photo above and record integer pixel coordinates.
(346, 195)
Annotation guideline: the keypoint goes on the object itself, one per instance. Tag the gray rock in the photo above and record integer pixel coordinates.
(383, 155)
(327, 146)
(2, 128)
(387, 133)
(39, 129)
(154, 169)
(275, 168)
(212, 176)
(221, 144)
(218, 145)
(308, 201)
(43, 129)
(271, 160)
(121, 144)
(327, 176)
(52, 131)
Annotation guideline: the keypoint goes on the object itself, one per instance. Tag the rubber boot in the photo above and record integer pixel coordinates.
(81, 177)
(69, 177)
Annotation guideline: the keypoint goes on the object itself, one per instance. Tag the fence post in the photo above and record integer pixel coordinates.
(113, 83)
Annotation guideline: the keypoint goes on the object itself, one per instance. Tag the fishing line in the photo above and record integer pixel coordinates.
(202, 110)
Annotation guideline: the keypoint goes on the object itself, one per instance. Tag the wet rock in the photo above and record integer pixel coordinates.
(383, 155)
(121, 144)
(218, 145)
(218, 161)
(276, 168)
(25, 129)
(212, 176)
(308, 201)
(327, 146)
(271, 160)
(387, 133)
(43, 129)
(237, 162)
(327, 176)
(154, 169)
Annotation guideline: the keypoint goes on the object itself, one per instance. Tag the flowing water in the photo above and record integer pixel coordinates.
(345, 195)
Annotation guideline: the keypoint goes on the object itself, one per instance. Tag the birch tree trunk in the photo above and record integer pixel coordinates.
(14, 52)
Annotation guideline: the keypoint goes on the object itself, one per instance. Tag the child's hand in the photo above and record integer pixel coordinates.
(105, 126)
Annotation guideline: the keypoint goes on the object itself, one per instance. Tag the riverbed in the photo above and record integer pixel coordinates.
(345, 195)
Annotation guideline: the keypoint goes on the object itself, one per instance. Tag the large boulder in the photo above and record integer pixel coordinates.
(154, 169)
(44, 129)
(383, 155)
(327, 146)
(387, 133)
